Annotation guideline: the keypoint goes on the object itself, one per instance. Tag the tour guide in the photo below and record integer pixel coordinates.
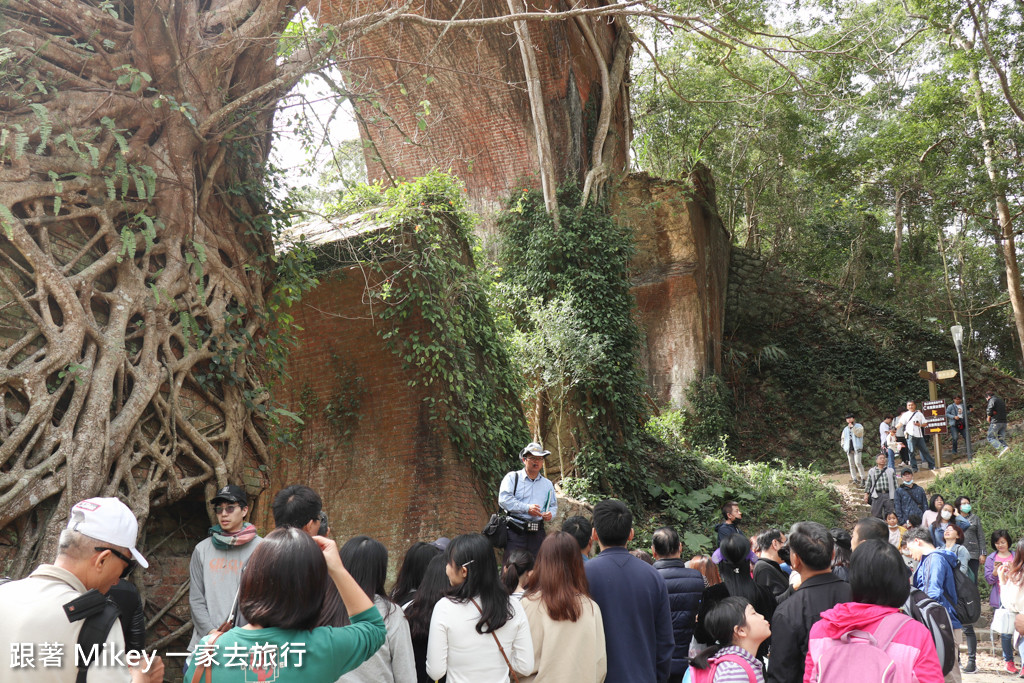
(529, 498)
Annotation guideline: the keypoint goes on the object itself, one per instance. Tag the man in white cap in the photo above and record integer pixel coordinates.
(44, 614)
(529, 498)
(217, 562)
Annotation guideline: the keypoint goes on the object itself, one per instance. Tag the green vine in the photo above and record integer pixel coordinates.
(439, 323)
(585, 263)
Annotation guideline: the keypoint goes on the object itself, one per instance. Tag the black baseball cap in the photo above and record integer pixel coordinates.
(230, 494)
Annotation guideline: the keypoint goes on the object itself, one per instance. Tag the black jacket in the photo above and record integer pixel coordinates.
(133, 622)
(769, 574)
(685, 588)
(996, 409)
(791, 626)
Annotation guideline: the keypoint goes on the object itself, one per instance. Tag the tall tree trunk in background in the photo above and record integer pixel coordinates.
(1003, 212)
(898, 225)
(753, 236)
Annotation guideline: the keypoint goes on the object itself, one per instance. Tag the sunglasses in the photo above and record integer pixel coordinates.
(229, 509)
(129, 561)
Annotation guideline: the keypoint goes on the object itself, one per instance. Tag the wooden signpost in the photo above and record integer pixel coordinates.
(934, 409)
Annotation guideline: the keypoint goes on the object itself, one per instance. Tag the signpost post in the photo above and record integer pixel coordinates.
(934, 409)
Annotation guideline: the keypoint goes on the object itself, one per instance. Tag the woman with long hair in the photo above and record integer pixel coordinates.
(518, 565)
(708, 570)
(841, 556)
(410, 574)
(281, 593)
(565, 624)
(935, 504)
(1001, 555)
(879, 585)
(367, 562)
(736, 583)
(434, 586)
(477, 632)
(1011, 592)
(736, 632)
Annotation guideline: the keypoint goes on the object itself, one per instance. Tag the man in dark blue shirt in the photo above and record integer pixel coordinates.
(634, 602)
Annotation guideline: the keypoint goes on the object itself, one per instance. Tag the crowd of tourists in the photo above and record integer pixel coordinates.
(901, 437)
(573, 604)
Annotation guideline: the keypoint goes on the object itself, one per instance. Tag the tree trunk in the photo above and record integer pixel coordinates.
(898, 225)
(135, 272)
(1003, 213)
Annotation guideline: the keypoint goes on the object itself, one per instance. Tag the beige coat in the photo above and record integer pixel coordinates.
(566, 650)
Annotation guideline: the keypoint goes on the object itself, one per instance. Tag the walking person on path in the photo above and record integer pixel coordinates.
(910, 498)
(956, 417)
(995, 413)
(852, 443)
(880, 488)
(913, 422)
(884, 427)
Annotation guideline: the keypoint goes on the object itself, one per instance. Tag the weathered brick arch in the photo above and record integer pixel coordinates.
(480, 124)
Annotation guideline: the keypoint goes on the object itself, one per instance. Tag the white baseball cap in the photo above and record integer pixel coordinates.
(108, 520)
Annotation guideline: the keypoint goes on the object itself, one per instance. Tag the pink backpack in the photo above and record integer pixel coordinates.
(708, 675)
(858, 656)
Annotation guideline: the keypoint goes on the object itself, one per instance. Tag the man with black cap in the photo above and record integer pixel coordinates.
(529, 498)
(217, 562)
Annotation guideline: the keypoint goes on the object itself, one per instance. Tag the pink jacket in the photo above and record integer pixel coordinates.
(912, 647)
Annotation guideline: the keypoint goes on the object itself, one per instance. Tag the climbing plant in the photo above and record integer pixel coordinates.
(424, 288)
(585, 261)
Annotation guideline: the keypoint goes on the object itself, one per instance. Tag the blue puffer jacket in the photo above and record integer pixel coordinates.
(685, 588)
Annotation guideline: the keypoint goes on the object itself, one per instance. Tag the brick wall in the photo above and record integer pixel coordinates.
(679, 277)
(395, 477)
(479, 124)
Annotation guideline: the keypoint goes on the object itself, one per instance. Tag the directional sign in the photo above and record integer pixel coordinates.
(936, 376)
(935, 415)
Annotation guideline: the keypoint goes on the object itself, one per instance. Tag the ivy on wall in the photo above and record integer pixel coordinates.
(425, 288)
(585, 261)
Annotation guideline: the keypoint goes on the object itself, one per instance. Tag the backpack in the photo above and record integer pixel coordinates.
(97, 614)
(936, 619)
(858, 656)
(967, 604)
(708, 675)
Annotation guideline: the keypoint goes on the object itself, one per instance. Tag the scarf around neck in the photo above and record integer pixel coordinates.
(224, 540)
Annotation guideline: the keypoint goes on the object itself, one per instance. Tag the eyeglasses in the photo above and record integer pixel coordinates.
(130, 562)
(227, 509)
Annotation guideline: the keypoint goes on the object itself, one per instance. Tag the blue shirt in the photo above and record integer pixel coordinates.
(539, 491)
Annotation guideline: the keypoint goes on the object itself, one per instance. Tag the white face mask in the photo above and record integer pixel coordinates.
(946, 514)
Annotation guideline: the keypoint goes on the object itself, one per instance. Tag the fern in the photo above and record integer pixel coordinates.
(8, 221)
(45, 126)
(127, 244)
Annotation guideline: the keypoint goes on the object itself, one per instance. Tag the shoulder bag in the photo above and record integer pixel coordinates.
(498, 643)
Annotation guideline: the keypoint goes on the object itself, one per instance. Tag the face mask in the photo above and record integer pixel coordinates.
(893, 525)
(908, 484)
(946, 514)
(965, 508)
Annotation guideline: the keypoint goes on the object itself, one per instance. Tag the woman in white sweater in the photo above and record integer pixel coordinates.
(477, 633)
(565, 624)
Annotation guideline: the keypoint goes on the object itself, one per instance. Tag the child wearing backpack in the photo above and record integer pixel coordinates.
(869, 639)
(738, 630)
